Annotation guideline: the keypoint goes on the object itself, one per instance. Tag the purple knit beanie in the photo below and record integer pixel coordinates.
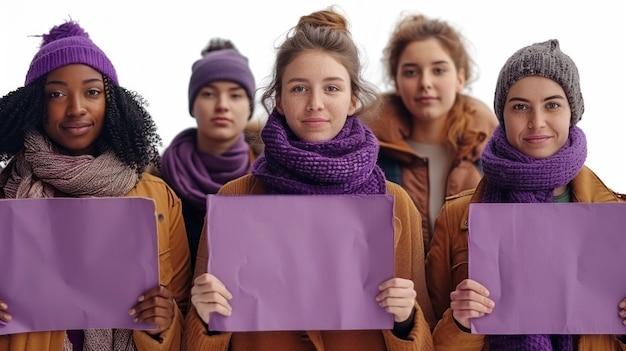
(226, 64)
(543, 59)
(68, 43)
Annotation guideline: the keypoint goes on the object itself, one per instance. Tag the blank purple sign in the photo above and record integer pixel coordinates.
(296, 262)
(70, 263)
(551, 268)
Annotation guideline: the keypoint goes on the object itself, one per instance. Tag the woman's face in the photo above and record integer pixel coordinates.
(537, 116)
(427, 80)
(316, 96)
(76, 106)
(221, 109)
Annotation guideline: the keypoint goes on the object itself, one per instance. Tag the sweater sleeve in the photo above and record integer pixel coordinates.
(419, 338)
(169, 340)
(196, 336)
(174, 269)
(409, 264)
(448, 336)
(409, 248)
(180, 284)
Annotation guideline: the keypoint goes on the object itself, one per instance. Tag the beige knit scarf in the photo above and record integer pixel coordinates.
(104, 340)
(39, 171)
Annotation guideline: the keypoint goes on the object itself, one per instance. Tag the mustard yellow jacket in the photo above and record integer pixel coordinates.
(409, 264)
(446, 263)
(174, 273)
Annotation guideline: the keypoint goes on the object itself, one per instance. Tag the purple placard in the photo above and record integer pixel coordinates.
(297, 262)
(70, 263)
(550, 268)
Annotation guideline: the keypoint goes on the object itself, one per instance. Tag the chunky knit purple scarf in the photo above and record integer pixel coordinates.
(514, 177)
(538, 342)
(343, 165)
(194, 174)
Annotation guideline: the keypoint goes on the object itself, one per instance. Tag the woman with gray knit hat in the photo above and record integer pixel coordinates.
(536, 155)
(200, 160)
(73, 131)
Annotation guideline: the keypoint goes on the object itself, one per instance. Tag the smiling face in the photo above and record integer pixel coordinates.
(76, 108)
(537, 116)
(427, 80)
(316, 96)
(221, 109)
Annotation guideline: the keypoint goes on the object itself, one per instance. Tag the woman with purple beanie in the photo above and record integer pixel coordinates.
(536, 155)
(200, 160)
(73, 131)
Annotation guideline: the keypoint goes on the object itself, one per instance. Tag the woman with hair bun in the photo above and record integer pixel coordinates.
(315, 143)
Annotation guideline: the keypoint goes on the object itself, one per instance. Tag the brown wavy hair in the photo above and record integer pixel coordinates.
(327, 31)
(417, 27)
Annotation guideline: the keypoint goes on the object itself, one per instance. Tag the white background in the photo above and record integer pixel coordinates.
(153, 44)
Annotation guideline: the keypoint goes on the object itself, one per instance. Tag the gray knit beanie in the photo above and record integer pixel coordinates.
(545, 60)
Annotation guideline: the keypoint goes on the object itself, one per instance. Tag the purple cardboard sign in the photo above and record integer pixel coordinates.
(551, 268)
(70, 263)
(297, 262)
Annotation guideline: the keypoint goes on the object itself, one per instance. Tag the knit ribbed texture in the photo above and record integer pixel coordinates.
(194, 174)
(40, 170)
(540, 342)
(545, 60)
(66, 44)
(513, 177)
(104, 340)
(343, 165)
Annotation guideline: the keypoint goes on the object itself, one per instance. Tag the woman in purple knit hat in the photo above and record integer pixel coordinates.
(536, 155)
(315, 143)
(200, 160)
(73, 131)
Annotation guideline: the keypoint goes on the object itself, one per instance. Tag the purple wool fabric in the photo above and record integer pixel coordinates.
(514, 177)
(344, 165)
(68, 43)
(194, 174)
(531, 343)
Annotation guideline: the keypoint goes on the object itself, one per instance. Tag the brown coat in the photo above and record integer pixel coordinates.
(409, 264)
(447, 263)
(174, 273)
(393, 128)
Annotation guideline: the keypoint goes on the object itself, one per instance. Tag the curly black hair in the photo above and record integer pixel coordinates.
(129, 130)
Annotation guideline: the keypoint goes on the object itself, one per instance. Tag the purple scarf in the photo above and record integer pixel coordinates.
(343, 165)
(514, 177)
(194, 174)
